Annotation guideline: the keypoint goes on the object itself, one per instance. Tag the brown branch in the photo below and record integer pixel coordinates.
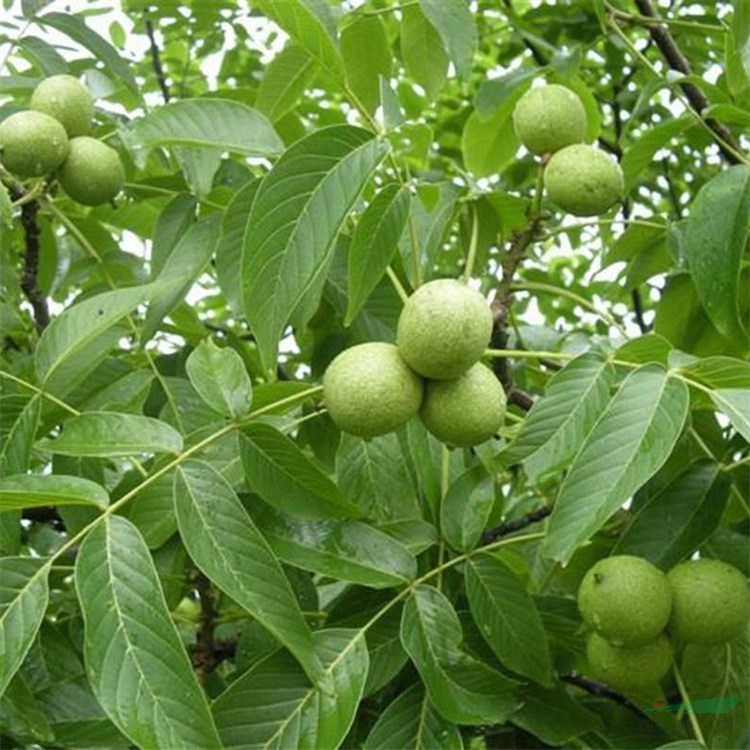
(509, 527)
(697, 99)
(539, 57)
(156, 61)
(601, 690)
(520, 398)
(31, 265)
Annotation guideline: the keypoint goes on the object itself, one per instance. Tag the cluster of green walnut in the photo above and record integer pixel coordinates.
(637, 612)
(581, 179)
(433, 370)
(51, 137)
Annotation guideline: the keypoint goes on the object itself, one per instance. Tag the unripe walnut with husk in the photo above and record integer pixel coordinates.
(32, 144)
(583, 181)
(92, 173)
(549, 118)
(710, 601)
(369, 390)
(625, 599)
(629, 668)
(465, 411)
(444, 329)
(67, 100)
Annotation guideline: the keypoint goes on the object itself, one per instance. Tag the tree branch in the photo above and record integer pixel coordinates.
(204, 652)
(509, 527)
(601, 690)
(697, 99)
(156, 61)
(31, 265)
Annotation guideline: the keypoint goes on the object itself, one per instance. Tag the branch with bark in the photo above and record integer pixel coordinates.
(161, 78)
(29, 283)
(677, 61)
(602, 691)
(510, 527)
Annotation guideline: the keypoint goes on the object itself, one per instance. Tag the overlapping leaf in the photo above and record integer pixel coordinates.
(629, 443)
(463, 689)
(273, 705)
(466, 507)
(345, 550)
(28, 490)
(24, 593)
(107, 433)
(559, 421)
(295, 219)
(226, 545)
(135, 660)
(411, 722)
(278, 471)
(507, 617)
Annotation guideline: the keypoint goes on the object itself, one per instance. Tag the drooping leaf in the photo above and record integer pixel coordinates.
(285, 80)
(375, 240)
(463, 689)
(73, 26)
(229, 247)
(135, 660)
(344, 550)
(507, 618)
(226, 545)
(311, 24)
(221, 124)
(716, 234)
(411, 722)
(455, 23)
(220, 377)
(29, 490)
(422, 49)
(367, 56)
(16, 444)
(180, 270)
(273, 705)
(735, 403)
(21, 715)
(490, 143)
(278, 471)
(374, 475)
(716, 679)
(629, 443)
(466, 507)
(64, 346)
(559, 421)
(24, 593)
(554, 716)
(176, 218)
(293, 224)
(640, 154)
(679, 519)
(107, 433)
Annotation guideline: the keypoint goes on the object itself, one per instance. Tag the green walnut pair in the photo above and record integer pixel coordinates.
(433, 370)
(51, 137)
(579, 178)
(636, 612)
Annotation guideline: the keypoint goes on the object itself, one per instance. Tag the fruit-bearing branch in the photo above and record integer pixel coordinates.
(29, 211)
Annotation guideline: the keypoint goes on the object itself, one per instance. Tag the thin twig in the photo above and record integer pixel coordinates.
(156, 61)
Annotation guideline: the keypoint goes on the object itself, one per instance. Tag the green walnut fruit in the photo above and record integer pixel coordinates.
(710, 601)
(444, 329)
(32, 144)
(369, 390)
(465, 411)
(549, 118)
(625, 599)
(583, 180)
(92, 173)
(629, 668)
(67, 100)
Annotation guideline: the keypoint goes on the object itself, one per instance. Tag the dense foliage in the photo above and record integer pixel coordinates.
(194, 555)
